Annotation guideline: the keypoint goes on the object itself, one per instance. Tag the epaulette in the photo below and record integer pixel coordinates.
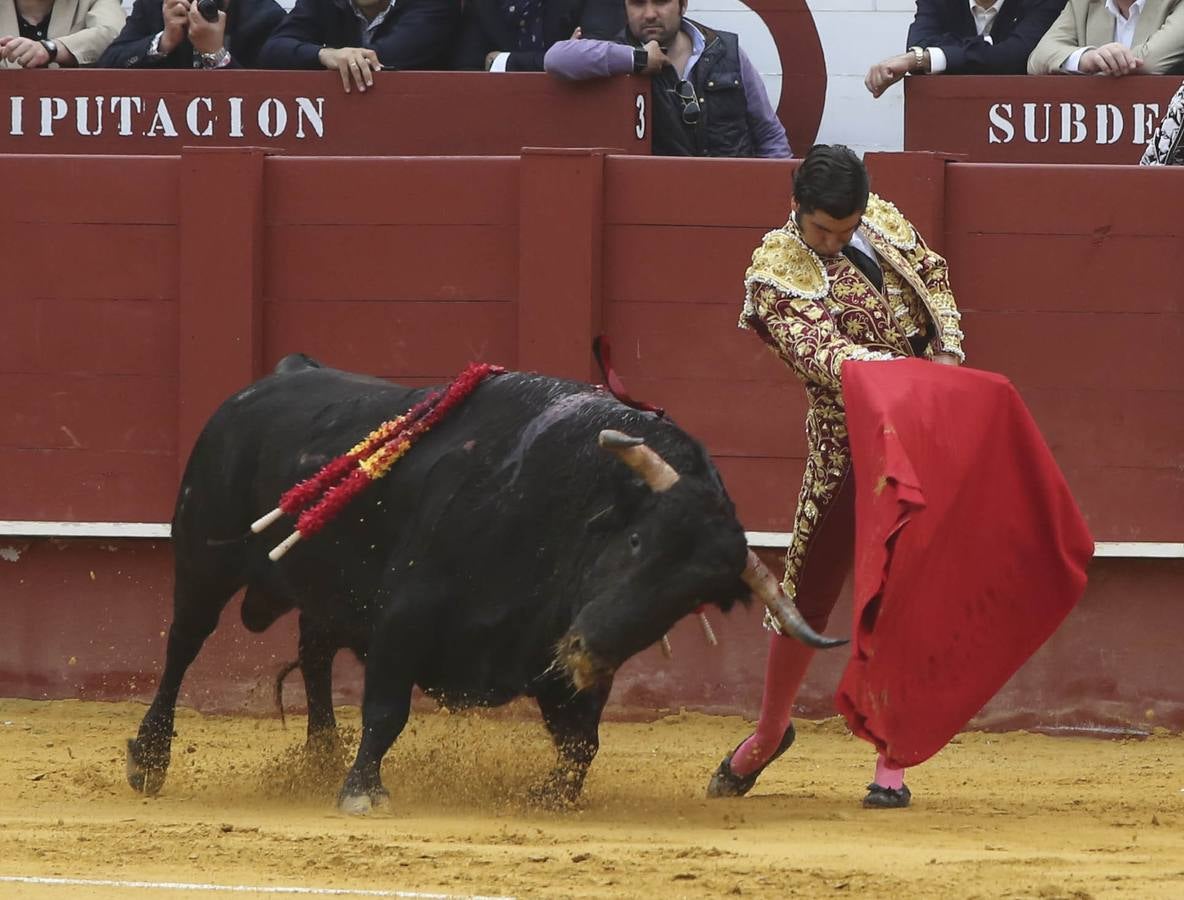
(784, 261)
(889, 223)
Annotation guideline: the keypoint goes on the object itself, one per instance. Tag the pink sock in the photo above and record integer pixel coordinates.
(784, 671)
(888, 777)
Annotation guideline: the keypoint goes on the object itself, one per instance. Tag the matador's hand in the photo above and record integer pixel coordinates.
(946, 359)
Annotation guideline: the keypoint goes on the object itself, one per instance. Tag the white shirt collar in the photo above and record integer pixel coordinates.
(1132, 13)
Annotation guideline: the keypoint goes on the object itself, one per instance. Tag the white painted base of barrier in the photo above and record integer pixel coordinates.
(1114, 549)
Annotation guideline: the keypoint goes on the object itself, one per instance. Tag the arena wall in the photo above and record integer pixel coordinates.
(143, 290)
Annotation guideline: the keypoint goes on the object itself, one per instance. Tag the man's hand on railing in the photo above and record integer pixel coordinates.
(1112, 59)
(886, 73)
(358, 63)
(25, 52)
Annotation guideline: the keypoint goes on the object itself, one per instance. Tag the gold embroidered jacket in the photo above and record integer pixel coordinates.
(817, 313)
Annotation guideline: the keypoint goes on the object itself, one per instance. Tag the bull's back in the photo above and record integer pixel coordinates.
(270, 435)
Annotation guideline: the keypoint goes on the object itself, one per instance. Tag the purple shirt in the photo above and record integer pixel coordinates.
(582, 59)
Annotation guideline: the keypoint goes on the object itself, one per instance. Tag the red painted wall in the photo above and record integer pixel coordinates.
(189, 275)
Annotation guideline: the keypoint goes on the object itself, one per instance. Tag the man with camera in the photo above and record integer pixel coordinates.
(193, 34)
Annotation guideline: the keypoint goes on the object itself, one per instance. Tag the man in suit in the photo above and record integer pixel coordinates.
(1113, 37)
(174, 34)
(35, 34)
(359, 37)
(513, 35)
(967, 37)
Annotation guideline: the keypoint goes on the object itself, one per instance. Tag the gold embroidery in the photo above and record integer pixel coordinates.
(785, 262)
(886, 220)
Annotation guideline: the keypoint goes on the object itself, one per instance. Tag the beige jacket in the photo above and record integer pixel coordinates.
(1158, 41)
(84, 27)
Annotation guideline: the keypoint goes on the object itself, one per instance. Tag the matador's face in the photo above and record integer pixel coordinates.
(823, 233)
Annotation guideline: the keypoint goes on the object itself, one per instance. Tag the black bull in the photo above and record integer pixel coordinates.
(528, 545)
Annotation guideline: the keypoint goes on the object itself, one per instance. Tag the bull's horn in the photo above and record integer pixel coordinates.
(633, 452)
(764, 585)
(667, 651)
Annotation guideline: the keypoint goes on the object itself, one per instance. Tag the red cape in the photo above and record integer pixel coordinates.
(969, 549)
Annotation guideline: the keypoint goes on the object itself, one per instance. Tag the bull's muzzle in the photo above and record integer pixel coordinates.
(585, 668)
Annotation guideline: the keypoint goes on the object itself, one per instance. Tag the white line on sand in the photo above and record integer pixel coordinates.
(239, 888)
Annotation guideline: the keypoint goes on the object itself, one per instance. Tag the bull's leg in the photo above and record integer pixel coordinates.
(386, 703)
(317, 649)
(574, 723)
(195, 615)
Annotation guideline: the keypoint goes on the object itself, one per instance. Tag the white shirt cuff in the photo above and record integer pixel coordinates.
(937, 60)
(499, 62)
(1073, 63)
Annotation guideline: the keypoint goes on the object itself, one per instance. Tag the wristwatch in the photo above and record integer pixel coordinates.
(641, 59)
(51, 47)
(215, 59)
(918, 58)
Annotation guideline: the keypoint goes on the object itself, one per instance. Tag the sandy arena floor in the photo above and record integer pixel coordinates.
(1016, 815)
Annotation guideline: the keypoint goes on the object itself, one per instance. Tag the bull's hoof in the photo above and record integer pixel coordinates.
(143, 777)
(377, 798)
(355, 804)
(559, 793)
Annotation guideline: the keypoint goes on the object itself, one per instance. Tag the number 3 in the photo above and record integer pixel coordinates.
(639, 128)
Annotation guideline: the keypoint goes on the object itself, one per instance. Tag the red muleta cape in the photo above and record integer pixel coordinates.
(969, 549)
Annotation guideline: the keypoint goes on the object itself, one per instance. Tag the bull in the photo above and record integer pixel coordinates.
(529, 544)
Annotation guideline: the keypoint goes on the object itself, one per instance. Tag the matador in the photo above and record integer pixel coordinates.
(846, 278)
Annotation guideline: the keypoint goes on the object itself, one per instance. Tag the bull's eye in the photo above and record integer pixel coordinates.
(635, 543)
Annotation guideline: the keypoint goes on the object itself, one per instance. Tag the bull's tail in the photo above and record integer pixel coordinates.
(287, 670)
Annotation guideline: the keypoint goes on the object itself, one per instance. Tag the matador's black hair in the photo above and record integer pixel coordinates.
(832, 179)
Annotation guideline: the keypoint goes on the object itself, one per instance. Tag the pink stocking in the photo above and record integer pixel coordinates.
(786, 668)
(886, 776)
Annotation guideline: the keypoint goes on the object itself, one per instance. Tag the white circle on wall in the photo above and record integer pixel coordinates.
(755, 37)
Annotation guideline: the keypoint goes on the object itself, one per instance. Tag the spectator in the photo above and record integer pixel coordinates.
(193, 34)
(1113, 37)
(359, 37)
(35, 34)
(708, 99)
(513, 35)
(967, 37)
(1165, 147)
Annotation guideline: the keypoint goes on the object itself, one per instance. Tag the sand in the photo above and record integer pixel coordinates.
(1015, 815)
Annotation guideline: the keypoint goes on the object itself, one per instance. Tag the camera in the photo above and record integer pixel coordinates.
(209, 9)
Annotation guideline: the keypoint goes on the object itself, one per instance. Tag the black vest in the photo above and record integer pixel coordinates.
(722, 128)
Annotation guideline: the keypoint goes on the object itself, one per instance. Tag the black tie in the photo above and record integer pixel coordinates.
(866, 265)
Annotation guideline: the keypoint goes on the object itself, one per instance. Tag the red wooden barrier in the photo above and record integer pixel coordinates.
(1036, 119)
(142, 290)
(308, 113)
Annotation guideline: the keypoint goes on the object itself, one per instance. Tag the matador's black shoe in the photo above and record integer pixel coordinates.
(726, 783)
(887, 798)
